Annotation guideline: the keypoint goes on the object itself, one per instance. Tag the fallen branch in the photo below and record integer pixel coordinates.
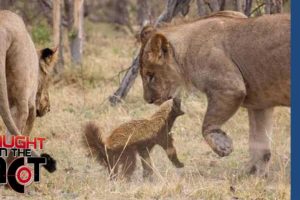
(126, 83)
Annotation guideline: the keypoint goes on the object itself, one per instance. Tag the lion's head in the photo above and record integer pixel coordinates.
(47, 60)
(158, 67)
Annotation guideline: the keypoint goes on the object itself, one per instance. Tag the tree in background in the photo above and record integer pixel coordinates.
(214, 5)
(201, 8)
(273, 6)
(74, 13)
(143, 12)
(121, 14)
(61, 15)
(5, 4)
(239, 5)
(248, 7)
(58, 34)
(207, 6)
(76, 34)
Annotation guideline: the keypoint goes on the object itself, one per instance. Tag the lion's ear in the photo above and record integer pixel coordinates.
(48, 58)
(146, 33)
(49, 55)
(159, 46)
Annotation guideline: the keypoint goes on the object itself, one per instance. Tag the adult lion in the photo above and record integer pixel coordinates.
(24, 77)
(235, 61)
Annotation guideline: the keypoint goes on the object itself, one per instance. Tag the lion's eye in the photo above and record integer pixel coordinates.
(150, 78)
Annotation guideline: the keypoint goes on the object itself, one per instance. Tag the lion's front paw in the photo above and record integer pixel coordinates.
(219, 142)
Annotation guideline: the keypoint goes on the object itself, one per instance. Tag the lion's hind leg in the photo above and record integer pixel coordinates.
(259, 140)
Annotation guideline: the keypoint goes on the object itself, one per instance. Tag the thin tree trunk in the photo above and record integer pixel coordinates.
(4, 4)
(58, 34)
(248, 7)
(201, 8)
(239, 5)
(143, 12)
(278, 6)
(172, 8)
(222, 4)
(56, 22)
(214, 5)
(273, 6)
(68, 6)
(76, 35)
(268, 6)
(121, 14)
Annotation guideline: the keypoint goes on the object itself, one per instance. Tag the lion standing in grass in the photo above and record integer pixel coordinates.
(236, 61)
(24, 77)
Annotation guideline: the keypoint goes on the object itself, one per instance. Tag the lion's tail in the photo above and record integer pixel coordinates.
(4, 105)
(93, 140)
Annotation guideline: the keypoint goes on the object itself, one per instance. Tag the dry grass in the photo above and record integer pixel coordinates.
(83, 97)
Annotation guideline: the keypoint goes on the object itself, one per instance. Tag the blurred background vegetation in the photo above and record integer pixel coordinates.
(38, 14)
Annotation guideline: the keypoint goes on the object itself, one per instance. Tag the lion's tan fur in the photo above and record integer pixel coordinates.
(236, 61)
(136, 136)
(225, 13)
(20, 75)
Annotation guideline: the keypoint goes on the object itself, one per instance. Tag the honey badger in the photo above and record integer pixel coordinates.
(135, 137)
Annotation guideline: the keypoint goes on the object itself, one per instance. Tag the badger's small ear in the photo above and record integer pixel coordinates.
(146, 33)
(177, 104)
(177, 101)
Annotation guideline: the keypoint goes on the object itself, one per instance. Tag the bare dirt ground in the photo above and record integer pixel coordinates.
(83, 97)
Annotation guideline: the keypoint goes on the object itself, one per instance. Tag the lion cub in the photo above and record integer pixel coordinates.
(136, 136)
